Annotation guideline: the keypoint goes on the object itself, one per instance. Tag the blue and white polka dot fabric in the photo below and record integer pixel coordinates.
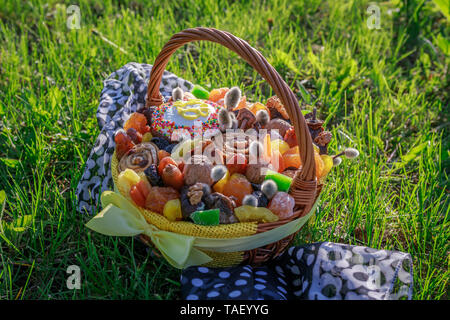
(318, 271)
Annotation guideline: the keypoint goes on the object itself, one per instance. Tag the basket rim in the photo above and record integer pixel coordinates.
(261, 227)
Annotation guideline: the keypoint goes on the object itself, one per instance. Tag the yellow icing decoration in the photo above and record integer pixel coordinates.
(185, 107)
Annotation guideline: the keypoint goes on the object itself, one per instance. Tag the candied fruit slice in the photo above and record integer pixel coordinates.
(200, 92)
(219, 185)
(327, 165)
(283, 182)
(206, 217)
(172, 210)
(127, 179)
(279, 145)
(257, 214)
(238, 187)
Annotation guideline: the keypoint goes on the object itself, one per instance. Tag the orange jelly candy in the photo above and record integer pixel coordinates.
(292, 158)
(217, 94)
(238, 186)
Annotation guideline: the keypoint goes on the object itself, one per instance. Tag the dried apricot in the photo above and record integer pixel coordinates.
(158, 196)
(138, 122)
(217, 94)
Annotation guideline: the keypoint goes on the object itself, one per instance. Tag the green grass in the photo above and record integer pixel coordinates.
(384, 92)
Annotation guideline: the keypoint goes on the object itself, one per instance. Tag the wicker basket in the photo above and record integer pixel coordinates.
(305, 188)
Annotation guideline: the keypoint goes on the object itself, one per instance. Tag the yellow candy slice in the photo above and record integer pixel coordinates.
(127, 179)
(279, 145)
(258, 214)
(172, 210)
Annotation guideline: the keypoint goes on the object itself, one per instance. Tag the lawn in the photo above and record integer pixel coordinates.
(381, 90)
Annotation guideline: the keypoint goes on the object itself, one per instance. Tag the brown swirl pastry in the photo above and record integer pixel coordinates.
(140, 157)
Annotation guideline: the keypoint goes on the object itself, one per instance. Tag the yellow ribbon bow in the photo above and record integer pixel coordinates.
(121, 218)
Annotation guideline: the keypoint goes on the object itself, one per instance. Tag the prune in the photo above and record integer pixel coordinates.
(153, 176)
(160, 142)
(170, 147)
(262, 199)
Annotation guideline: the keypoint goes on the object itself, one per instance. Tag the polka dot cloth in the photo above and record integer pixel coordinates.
(319, 271)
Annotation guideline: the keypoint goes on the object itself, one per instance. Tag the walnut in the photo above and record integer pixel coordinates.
(195, 193)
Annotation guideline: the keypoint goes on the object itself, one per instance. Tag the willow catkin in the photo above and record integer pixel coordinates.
(232, 98)
(177, 94)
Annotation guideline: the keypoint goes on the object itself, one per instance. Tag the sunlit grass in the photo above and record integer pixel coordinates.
(382, 91)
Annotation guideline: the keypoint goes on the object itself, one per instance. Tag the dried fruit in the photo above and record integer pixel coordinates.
(279, 145)
(162, 154)
(137, 121)
(172, 210)
(282, 204)
(160, 142)
(327, 165)
(275, 103)
(139, 193)
(164, 162)
(196, 192)
(147, 137)
(237, 163)
(217, 94)
(219, 185)
(277, 161)
(158, 196)
(172, 176)
(127, 179)
(153, 176)
(224, 204)
(292, 158)
(135, 136)
(261, 198)
(123, 143)
(238, 186)
(290, 137)
(258, 214)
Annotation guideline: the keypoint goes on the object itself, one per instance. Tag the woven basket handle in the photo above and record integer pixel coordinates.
(260, 64)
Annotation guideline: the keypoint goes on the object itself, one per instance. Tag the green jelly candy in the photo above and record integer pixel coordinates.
(206, 217)
(283, 182)
(200, 92)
